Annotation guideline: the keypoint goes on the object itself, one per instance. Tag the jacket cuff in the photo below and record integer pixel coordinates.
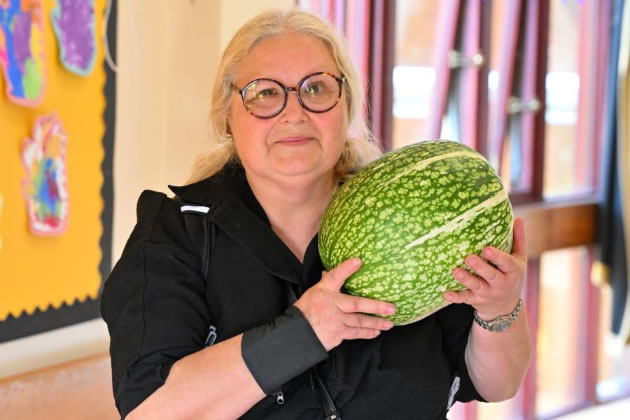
(281, 350)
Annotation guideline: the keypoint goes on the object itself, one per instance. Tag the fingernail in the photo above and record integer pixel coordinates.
(459, 274)
(391, 310)
(388, 325)
(488, 252)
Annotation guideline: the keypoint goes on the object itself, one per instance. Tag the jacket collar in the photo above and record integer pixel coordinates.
(225, 194)
(209, 190)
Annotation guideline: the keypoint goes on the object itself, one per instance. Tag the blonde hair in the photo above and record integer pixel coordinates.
(360, 147)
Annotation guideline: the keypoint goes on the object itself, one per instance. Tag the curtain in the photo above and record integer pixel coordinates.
(613, 224)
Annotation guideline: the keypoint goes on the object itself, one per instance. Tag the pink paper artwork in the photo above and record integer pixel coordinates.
(45, 186)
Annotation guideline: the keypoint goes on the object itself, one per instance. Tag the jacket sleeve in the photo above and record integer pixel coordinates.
(153, 302)
(456, 322)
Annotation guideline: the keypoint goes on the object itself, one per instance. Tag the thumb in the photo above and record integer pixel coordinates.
(336, 277)
(519, 244)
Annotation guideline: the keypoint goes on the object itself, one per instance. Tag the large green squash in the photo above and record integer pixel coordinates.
(412, 216)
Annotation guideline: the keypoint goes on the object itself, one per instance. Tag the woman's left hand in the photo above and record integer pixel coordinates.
(495, 290)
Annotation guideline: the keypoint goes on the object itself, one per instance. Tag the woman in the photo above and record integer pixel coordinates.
(289, 344)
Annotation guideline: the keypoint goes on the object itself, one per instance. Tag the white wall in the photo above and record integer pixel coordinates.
(164, 91)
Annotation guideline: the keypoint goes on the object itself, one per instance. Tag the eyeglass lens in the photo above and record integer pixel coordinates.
(266, 97)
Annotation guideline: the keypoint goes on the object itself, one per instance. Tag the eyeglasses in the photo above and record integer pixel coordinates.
(266, 98)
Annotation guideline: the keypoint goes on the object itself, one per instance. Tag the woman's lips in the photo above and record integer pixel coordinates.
(295, 141)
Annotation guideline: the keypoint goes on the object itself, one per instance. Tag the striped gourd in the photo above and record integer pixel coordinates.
(412, 216)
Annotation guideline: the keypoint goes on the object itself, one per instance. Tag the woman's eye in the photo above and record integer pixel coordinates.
(266, 93)
(315, 89)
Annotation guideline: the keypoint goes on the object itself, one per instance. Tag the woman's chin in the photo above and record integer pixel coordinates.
(298, 169)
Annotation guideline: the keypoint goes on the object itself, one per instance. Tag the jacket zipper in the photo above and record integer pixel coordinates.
(279, 397)
(325, 399)
(212, 336)
(279, 394)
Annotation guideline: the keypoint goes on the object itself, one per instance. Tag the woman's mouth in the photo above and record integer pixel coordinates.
(295, 141)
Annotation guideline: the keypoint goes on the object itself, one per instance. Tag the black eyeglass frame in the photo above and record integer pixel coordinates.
(340, 81)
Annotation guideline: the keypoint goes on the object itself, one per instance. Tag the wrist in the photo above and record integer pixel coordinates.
(498, 323)
(277, 352)
(506, 308)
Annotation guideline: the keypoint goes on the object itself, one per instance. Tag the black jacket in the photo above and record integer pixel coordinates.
(158, 310)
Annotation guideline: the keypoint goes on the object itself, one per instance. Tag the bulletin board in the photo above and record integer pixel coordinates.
(57, 103)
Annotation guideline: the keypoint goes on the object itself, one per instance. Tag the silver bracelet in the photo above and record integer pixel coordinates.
(500, 323)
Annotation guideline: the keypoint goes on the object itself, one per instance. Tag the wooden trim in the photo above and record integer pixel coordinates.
(530, 75)
(527, 396)
(603, 60)
(467, 96)
(381, 89)
(358, 35)
(482, 81)
(532, 85)
(538, 139)
(447, 30)
(552, 226)
(526, 77)
(377, 74)
(518, 198)
(79, 389)
(511, 29)
(589, 335)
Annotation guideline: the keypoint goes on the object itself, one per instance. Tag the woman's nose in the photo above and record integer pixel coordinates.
(293, 111)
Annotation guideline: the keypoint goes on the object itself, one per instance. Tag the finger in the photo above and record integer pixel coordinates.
(336, 277)
(484, 270)
(367, 321)
(519, 244)
(505, 263)
(469, 280)
(351, 304)
(465, 296)
(361, 334)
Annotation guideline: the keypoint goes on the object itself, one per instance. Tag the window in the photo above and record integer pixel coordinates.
(573, 107)
(524, 83)
(413, 74)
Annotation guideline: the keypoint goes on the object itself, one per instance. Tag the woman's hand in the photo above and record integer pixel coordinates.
(495, 290)
(335, 316)
(496, 361)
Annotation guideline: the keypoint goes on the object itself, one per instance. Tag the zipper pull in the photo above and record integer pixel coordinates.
(212, 336)
(279, 397)
(452, 392)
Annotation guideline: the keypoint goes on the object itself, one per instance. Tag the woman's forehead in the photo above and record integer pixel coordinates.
(286, 58)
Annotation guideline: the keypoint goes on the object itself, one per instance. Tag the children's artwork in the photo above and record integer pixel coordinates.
(48, 282)
(73, 21)
(44, 187)
(22, 50)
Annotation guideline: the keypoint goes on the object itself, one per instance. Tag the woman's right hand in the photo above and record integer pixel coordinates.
(335, 316)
